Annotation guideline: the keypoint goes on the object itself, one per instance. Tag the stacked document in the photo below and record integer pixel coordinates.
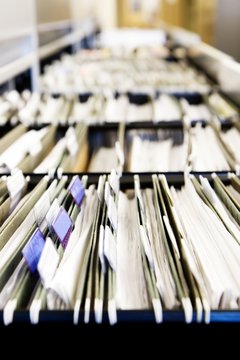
(166, 108)
(69, 154)
(116, 108)
(157, 156)
(199, 112)
(35, 109)
(204, 149)
(28, 150)
(45, 150)
(221, 107)
(39, 151)
(138, 113)
(213, 149)
(95, 249)
(10, 104)
(103, 160)
(231, 140)
(106, 71)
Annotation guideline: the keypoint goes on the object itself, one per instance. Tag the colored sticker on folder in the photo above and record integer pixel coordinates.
(33, 249)
(63, 226)
(77, 190)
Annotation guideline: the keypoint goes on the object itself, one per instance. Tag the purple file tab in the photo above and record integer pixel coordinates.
(63, 226)
(77, 190)
(33, 249)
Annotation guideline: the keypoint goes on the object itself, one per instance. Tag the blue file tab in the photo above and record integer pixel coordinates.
(33, 249)
(77, 190)
(63, 226)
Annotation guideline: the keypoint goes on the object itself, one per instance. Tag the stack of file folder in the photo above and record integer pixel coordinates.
(107, 247)
(139, 149)
(120, 193)
(34, 109)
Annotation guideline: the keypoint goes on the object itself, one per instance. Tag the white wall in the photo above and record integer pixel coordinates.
(105, 11)
(228, 27)
(52, 10)
(82, 8)
(16, 17)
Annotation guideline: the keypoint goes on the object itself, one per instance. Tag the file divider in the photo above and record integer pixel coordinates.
(124, 316)
(127, 179)
(106, 127)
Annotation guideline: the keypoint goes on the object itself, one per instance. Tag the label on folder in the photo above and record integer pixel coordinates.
(63, 226)
(110, 248)
(33, 249)
(52, 214)
(72, 144)
(48, 262)
(15, 184)
(41, 208)
(112, 212)
(77, 190)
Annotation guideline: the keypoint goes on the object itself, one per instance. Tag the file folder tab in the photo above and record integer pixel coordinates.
(33, 250)
(62, 226)
(77, 190)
